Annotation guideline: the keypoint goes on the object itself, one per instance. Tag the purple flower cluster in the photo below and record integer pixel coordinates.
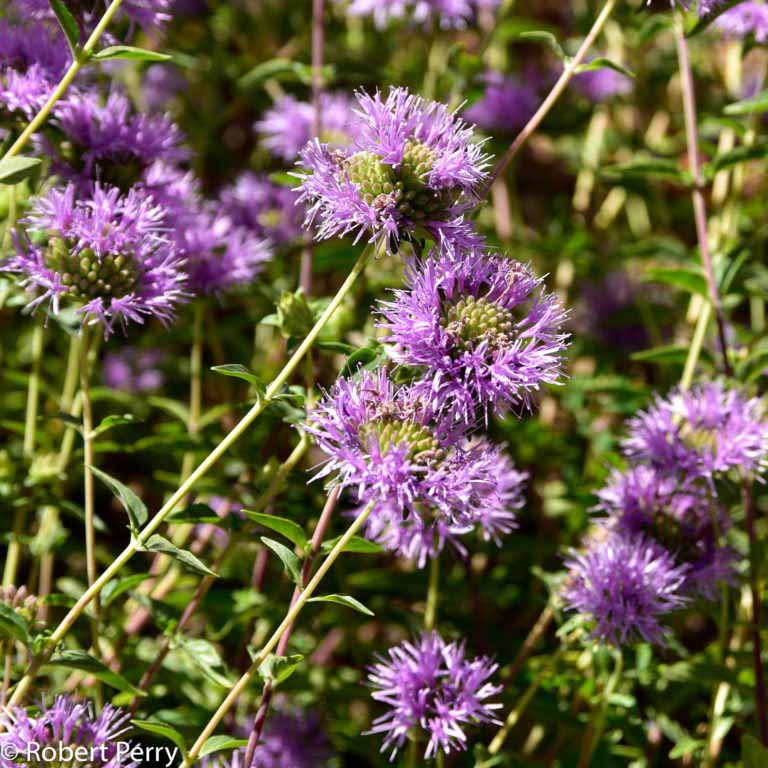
(660, 542)
(447, 14)
(105, 253)
(481, 325)
(289, 124)
(411, 170)
(65, 723)
(507, 102)
(602, 84)
(431, 687)
(150, 15)
(134, 370)
(291, 739)
(741, 20)
(428, 482)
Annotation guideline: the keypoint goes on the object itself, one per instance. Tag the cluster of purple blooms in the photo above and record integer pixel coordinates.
(447, 14)
(745, 19)
(660, 542)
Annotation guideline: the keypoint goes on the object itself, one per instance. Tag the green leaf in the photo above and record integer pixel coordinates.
(221, 742)
(347, 600)
(735, 157)
(205, 657)
(17, 168)
(116, 587)
(114, 421)
(279, 668)
(687, 278)
(174, 407)
(68, 24)
(547, 38)
(670, 353)
(650, 167)
(288, 558)
(157, 543)
(162, 729)
(282, 69)
(130, 53)
(355, 544)
(13, 625)
(753, 753)
(196, 513)
(239, 372)
(83, 661)
(288, 528)
(603, 63)
(754, 105)
(134, 506)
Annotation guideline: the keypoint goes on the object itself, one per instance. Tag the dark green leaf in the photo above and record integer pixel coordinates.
(116, 587)
(128, 52)
(220, 742)
(13, 625)
(602, 63)
(174, 407)
(134, 506)
(754, 105)
(735, 157)
(651, 168)
(67, 23)
(17, 168)
(114, 421)
(688, 279)
(753, 753)
(157, 543)
(196, 513)
(279, 668)
(239, 372)
(292, 531)
(83, 661)
(547, 38)
(347, 600)
(671, 353)
(355, 544)
(288, 558)
(161, 729)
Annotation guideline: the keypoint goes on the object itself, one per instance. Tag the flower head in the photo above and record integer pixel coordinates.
(107, 254)
(267, 209)
(288, 125)
(741, 20)
(112, 142)
(427, 482)
(625, 584)
(682, 516)
(481, 325)
(432, 686)
(411, 170)
(507, 102)
(134, 370)
(448, 14)
(66, 723)
(705, 432)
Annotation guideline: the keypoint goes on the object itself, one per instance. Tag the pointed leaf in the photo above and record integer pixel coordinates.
(83, 661)
(67, 23)
(603, 63)
(542, 36)
(162, 729)
(220, 742)
(279, 668)
(755, 105)
(157, 543)
(239, 372)
(17, 168)
(288, 528)
(114, 421)
(347, 600)
(355, 544)
(129, 52)
(13, 625)
(288, 558)
(116, 587)
(134, 506)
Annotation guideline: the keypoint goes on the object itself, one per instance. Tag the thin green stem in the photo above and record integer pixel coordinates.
(203, 468)
(290, 618)
(552, 96)
(430, 614)
(597, 723)
(697, 342)
(82, 57)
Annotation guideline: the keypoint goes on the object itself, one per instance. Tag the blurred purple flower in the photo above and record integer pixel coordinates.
(482, 326)
(447, 14)
(161, 82)
(291, 739)
(428, 483)
(134, 370)
(413, 168)
(287, 126)
(66, 723)
(704, 432)
(150, 15)
(431, 687)
(267, 209)
(741, 20)
(680, 515)
(625, 585)
(507, 103)
(105, 253)
(601, 84)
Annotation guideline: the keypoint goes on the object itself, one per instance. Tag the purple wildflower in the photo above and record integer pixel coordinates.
(107, 254)
(161, 83)
(66, 723)
(601, 84)
(411, 170)
(680, 515)
(150, 15)
(741, 20)
(134, 370)
(291, 739)
(111, 142)
(448, 14)
(432, 686)
(704, 432)
(482, 326)
(288, 125)
(267, 209)
(429, 485)
(507, 102)
(625, 585)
